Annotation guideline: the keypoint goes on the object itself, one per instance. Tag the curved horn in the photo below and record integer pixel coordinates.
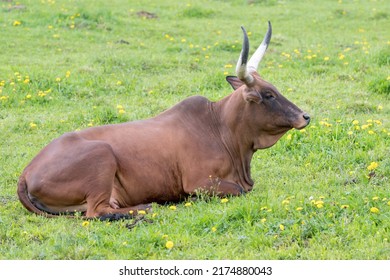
(241, 68)
(253, 63)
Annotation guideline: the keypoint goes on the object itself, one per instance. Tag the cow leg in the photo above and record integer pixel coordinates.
(101, 204)
(217, 186)
(108, 213)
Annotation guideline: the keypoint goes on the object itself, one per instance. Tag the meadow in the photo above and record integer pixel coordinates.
(320, 193)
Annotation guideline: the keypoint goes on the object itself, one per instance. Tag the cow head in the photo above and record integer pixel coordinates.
(267, 113)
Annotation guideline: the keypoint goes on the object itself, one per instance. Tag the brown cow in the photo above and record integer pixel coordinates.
(113, 170)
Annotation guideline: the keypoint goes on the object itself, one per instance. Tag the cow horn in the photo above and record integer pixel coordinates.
(254, 61)
(241, 68)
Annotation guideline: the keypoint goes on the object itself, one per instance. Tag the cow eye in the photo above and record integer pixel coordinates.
(269, 96)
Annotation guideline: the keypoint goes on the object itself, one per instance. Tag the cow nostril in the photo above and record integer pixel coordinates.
(306, 116)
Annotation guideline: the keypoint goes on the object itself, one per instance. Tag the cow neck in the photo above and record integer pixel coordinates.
(240, 158)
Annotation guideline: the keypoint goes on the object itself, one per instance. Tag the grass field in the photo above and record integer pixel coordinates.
(320, 193)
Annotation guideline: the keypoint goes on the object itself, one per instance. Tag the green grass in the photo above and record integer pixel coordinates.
(66, 65)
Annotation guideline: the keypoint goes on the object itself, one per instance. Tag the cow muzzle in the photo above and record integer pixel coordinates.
(304, 121)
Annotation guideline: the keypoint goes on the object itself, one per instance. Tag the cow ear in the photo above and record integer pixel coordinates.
(234, 82)
(253, 96)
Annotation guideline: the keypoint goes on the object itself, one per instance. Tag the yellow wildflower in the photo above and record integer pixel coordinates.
(281, 227)
(355, 122)
(326, 124)
(373, 165)
(33, 125)
(374, 210)
(141, 212)
(17, 23)
(285, 202)
(318, 203)
(345, 206)
(224, 200)
(41, 94)
(188, 204)
(172, 207)
(299, 208)
(263, 220)
(85, 224)
(213, 229)
(169, 245)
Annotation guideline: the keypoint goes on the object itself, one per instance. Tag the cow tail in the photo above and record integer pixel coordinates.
(25, 200)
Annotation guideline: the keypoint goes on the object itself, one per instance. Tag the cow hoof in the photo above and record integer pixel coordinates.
(114, 217)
